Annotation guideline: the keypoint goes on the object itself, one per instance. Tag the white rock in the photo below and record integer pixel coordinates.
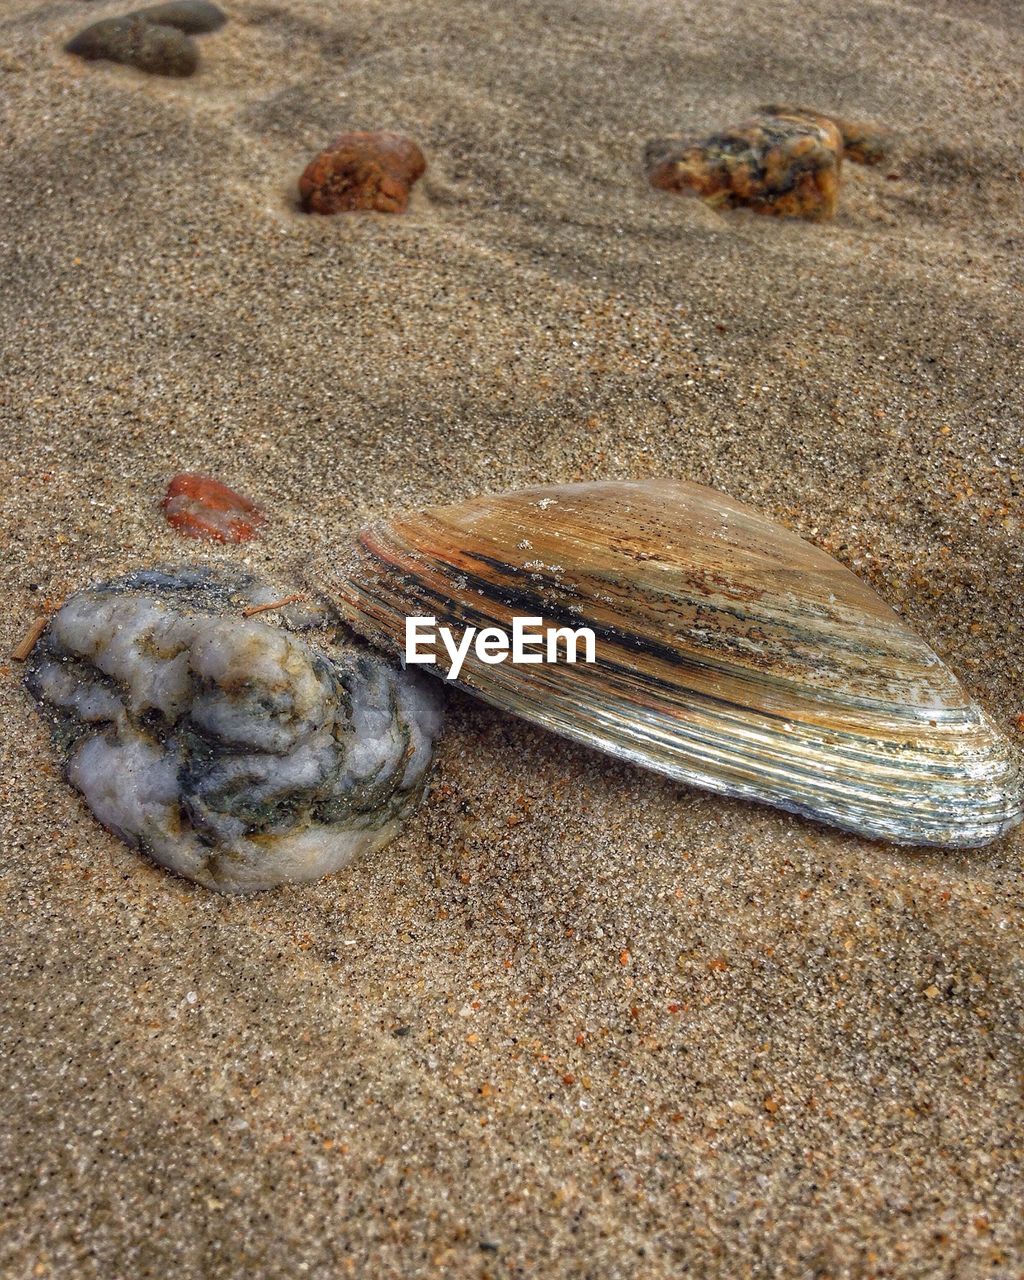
(228, 749)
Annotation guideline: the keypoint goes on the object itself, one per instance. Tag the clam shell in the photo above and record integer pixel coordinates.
(731, 654)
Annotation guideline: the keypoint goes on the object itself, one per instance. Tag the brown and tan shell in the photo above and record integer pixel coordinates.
(731, 654)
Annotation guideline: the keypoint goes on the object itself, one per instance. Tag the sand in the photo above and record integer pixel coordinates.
(576, 1021)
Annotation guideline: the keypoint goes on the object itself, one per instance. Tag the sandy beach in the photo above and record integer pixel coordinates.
(576, 1021)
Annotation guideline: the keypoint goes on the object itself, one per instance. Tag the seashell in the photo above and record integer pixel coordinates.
(239, 754)
(730, 653)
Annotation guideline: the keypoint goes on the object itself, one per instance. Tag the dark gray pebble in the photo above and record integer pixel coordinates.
(136, 42)
(194, 17)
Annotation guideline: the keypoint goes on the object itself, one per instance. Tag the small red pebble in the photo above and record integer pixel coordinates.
(362, 171)
(200, 507)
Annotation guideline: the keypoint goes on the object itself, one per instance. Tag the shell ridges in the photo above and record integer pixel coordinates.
(731, 654)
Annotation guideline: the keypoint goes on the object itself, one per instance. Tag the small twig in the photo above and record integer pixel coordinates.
(21, 651)
(274, 604)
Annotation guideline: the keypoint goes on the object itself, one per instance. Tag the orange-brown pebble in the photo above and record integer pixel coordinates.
(786, 164)
(200, 507)
(362, 171)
